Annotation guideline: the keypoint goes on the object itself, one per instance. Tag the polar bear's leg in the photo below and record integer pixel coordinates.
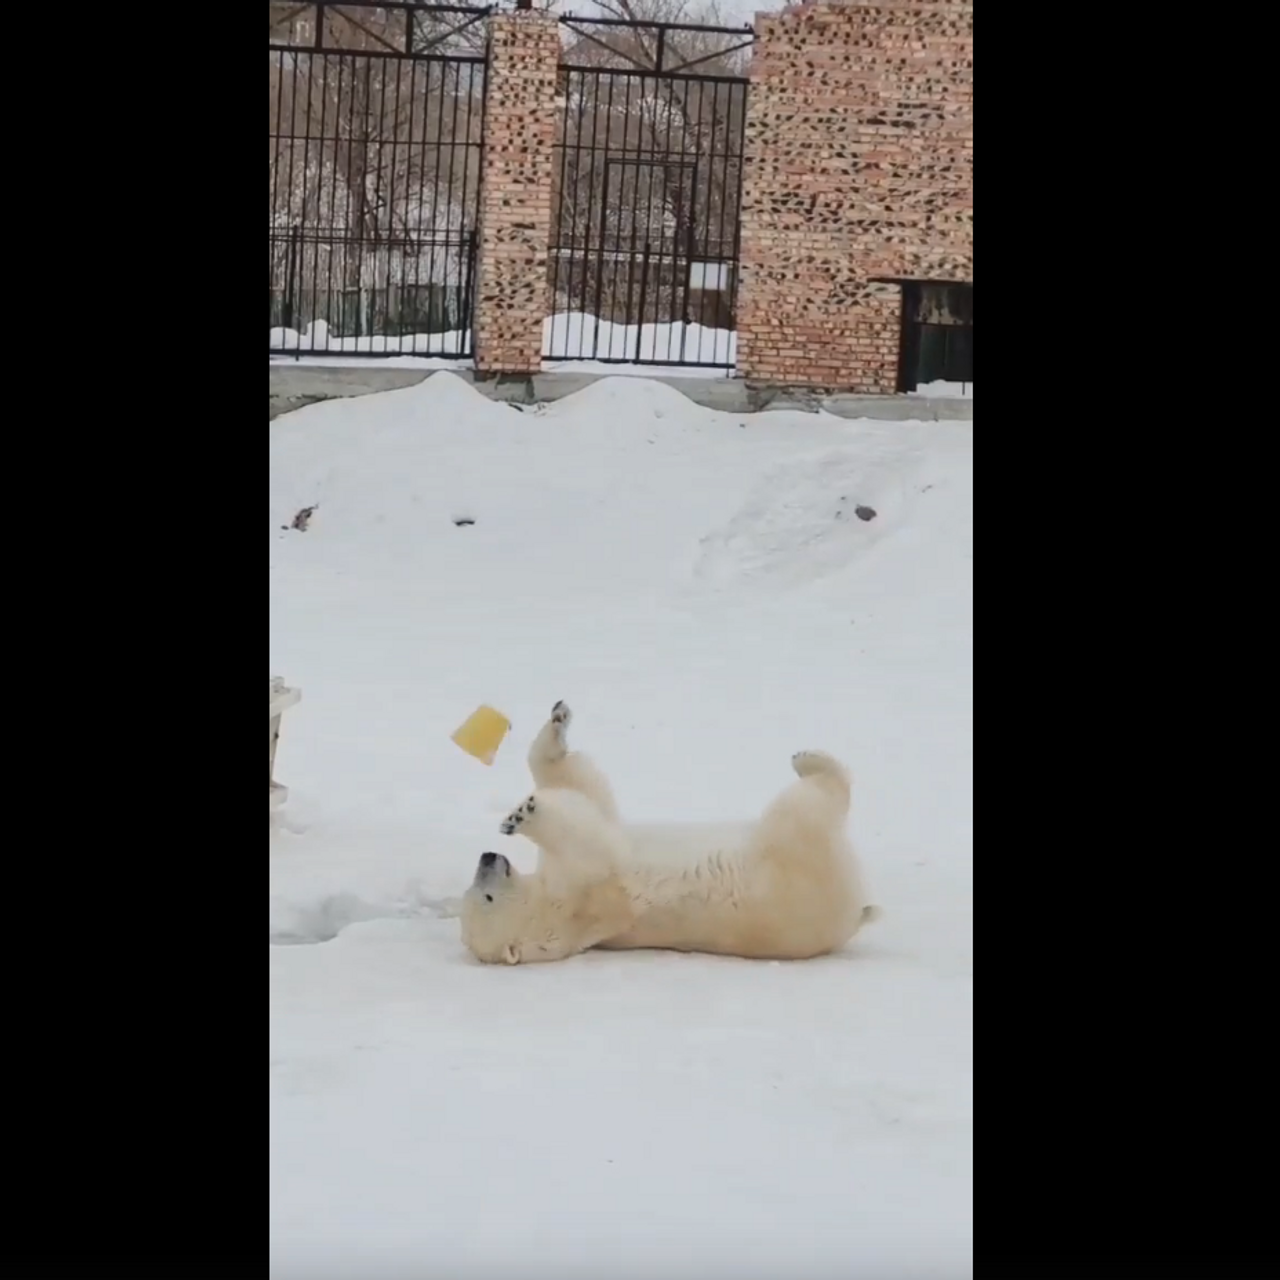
(802, 865)
(550, 746)
(810, 813)
(552, 764)
(576, 842)
(827, 774)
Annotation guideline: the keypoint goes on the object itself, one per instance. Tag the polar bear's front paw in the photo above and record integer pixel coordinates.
(515, 819)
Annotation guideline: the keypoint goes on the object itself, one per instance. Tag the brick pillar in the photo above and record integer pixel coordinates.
(858, 163)
(515, 193)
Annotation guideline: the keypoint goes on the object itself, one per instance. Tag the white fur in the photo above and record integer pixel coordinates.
(785, 886)
(575, 899)
(554, 766)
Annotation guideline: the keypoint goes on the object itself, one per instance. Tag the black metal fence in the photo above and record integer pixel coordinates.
(376, 116)
(648, 189)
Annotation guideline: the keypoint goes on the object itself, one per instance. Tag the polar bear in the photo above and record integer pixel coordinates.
(783, 887)
(553, 766)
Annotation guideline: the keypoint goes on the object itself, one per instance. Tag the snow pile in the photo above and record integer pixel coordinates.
(944, 390)
(694, 584)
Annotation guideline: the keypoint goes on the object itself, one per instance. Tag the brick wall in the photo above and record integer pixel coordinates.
(858, 163)
(515, 199)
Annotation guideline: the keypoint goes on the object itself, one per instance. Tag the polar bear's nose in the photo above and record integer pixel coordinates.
(488, 859)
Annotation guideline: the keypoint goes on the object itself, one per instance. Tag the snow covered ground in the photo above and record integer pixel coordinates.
(700, 588)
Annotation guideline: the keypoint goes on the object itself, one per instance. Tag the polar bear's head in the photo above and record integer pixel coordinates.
(491, 908)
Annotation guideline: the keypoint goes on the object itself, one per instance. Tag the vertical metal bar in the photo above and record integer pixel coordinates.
(665, 302)
(459, 203)
(433, 305)
(437, 94)
(733, 186)
(410, 245)
(420, 205)
(566, 203)
(727, 199)
(381, 251)
(353, 211)
(707, 254)
(275, 185)
(679, 209)
(465, 311)
(324, 93)
(598, 176)
(362, 207)
(334, 182)
(591, 190)
(600, 259)
(471, 193)
(395, 259)
(660, 171)
(301, 217)
(649, 171)
(685, 238)
(570, 189)
(453, 246)
(684, 231)
(632, 254)
(291, 275)
(281, 132)
(644, 285)
(312, 60)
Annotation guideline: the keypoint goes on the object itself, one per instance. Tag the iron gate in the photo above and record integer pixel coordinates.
(645, 222)
(376, 113)
(936, 342)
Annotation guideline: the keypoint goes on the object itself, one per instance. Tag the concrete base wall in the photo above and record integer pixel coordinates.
(293, 386)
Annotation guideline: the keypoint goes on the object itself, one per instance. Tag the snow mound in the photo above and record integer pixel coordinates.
(610, 402)
(544, 495)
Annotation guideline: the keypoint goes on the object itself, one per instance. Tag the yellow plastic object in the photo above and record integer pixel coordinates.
(481, 733)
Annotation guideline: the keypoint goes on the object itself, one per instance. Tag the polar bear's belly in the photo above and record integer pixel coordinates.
(667, 847)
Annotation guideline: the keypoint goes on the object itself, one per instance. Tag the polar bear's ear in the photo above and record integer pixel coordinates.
(510, 954)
